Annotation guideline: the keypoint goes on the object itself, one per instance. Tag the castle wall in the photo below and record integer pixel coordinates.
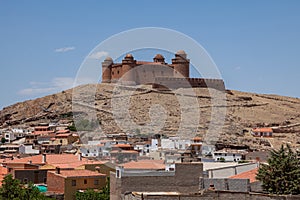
(116, 73)
(174, 83)
(146, 74)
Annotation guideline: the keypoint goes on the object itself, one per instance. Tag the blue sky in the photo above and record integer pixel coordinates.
(255, 44)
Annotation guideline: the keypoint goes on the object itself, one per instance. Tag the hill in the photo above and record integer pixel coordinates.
(165, 111)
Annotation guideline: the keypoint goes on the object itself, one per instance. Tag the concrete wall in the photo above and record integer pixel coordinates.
(184, 180)
(237, 185)
(211, 195)
(226, 172)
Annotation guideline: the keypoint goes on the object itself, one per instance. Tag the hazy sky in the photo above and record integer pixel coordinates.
(255, 44)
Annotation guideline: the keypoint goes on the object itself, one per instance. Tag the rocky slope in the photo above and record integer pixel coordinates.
(223, 117)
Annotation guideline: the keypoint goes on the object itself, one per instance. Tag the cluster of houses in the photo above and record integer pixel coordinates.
(53, 156)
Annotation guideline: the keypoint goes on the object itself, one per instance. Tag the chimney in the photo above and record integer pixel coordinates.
(79, 157)
(30, 162)
(97, 169)
(57, 170)
(44, 160)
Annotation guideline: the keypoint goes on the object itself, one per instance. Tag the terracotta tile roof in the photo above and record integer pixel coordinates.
(63, 135)
(251, 175)
(262, 130)
(78, 173)
(41, 127)
(41, 132)
(145, 164)
(50, 159)
(72, 165)
(63, 131)
(122, 145)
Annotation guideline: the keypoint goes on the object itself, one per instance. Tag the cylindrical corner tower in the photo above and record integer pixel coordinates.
(181, 64)
(106, 70)
(128, 75)
(159, 58)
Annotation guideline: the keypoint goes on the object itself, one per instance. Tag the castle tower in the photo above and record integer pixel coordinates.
(181, 64)
(159, 58)
(128, 63)
(106, 70)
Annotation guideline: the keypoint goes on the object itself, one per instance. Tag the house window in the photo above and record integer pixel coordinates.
(85, 181)
(61, 141)
(25, 180)
(73, 182)
(118, 173)
(118, 72)
(96, 182)
(45, 179)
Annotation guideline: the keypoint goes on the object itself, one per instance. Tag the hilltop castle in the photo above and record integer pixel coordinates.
(157, 73)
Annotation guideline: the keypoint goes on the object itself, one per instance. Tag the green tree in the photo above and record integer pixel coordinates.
(93, 195)
(282, 173)
(13, 189)
(3, 140)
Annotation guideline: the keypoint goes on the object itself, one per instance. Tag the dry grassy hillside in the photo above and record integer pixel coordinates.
(166, 112)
